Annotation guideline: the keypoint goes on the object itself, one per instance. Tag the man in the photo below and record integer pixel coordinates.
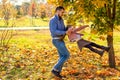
(74, 36)
(58, 32)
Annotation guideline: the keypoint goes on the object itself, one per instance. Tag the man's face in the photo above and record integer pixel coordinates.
(60, 12)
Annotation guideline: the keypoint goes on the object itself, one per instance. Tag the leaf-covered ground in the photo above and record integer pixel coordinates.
(31, 56)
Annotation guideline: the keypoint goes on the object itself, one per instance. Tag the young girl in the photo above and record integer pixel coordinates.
(77, 37)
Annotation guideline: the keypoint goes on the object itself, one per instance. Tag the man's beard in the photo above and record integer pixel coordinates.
(59, 17)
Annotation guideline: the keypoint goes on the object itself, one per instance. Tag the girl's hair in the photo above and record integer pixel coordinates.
(69, 26)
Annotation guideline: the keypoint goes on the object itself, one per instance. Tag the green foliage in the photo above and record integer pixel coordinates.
(118, 14)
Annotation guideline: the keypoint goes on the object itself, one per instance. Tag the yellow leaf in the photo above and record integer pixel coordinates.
(102, 38)
(110, 33)
(3, 72)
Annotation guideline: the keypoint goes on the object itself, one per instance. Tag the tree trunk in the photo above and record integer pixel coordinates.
(111, 12)
(111, 51)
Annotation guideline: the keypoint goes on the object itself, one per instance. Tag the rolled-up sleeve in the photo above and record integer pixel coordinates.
(54, 30)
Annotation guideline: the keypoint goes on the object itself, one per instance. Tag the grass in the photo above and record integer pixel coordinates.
(31, 56)
(27, 22)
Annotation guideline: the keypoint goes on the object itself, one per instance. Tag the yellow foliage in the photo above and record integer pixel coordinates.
(94, 31)
(102, 38)
(3, 73)
(37, 56)
(110, 33)
(106, 72)
(99, 3)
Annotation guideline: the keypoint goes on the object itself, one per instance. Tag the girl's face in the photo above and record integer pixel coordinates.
(71, 29)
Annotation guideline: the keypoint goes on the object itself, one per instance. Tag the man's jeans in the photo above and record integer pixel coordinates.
(63, 54)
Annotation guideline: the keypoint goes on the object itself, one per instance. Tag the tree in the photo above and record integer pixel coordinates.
(7, 12)
(25, 8)
(104, 14)
(43, 10)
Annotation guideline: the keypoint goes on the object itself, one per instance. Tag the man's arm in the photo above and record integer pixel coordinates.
(54, 30)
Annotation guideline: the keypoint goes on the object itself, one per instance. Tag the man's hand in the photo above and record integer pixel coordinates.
(68, 32)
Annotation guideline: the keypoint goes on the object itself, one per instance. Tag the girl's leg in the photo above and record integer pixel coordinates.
(100, 47)
(95, 50)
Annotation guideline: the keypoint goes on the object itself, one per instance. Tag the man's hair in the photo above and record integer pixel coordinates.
(59, 8)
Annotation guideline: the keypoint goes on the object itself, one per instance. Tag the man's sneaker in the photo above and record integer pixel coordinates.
(57, 74)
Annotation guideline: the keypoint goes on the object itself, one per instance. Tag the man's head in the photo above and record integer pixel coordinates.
(60, 11)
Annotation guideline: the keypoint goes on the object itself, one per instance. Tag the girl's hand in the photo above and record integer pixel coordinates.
(87, 25)
(69, 31)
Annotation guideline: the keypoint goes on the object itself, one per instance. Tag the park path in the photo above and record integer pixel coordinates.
(24, 28)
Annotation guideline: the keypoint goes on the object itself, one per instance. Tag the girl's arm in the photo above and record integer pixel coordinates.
(70, 29)
(80, 28)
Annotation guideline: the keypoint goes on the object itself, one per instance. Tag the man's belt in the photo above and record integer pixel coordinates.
(61, 37)
(56, 38)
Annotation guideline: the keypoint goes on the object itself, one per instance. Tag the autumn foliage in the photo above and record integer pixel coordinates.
(33, 58)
